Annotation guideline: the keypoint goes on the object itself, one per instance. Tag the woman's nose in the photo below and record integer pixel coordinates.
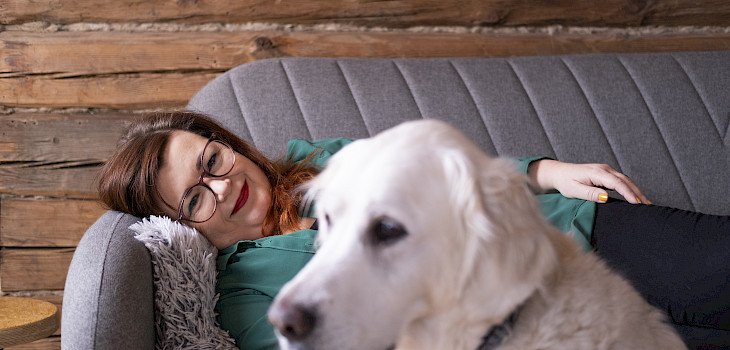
(221, 186)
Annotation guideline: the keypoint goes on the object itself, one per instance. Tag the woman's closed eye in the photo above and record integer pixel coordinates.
(212, 164)
(192, 204)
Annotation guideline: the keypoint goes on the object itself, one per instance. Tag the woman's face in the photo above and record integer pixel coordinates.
(243, 195)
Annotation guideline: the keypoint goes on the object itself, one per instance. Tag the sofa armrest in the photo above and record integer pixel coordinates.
(108, 298)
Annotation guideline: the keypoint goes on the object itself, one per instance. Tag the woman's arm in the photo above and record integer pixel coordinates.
(584, 181)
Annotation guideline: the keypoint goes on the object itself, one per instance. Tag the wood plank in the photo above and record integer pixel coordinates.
(160, 85)
(50, 180)
(61, 137)
(87, 53)
(143, 91)
(129, 54)
(45, 222)
(56, 154)
(25, 269)
(401, 13)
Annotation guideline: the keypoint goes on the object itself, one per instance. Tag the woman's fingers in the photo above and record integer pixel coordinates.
(589, 181)
(596, 194)
(609, 178)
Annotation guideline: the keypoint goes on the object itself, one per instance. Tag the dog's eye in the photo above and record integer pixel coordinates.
(387, 231)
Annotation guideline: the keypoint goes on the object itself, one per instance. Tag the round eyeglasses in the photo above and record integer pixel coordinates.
(199, 202)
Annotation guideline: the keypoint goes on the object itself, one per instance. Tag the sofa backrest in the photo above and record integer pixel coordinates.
(662, 119)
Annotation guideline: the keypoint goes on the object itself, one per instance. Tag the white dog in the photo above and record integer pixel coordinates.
(427, 243)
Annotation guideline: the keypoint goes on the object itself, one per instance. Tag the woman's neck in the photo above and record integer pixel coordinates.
(304, 223)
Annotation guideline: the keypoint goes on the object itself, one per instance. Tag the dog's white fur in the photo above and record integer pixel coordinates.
(476, 247)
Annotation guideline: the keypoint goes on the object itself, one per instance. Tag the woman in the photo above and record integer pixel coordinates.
(185, 166)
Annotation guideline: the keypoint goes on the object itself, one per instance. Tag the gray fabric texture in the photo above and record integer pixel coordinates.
(660, 118)
(663, 119)
(107, 300)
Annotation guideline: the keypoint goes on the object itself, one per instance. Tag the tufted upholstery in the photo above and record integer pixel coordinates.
(660, 118)
(663, 119)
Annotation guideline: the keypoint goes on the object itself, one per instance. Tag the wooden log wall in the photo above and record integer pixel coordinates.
(73, 73)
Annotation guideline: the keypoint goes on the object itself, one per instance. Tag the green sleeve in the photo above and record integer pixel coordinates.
(523, 162)
(299, 149)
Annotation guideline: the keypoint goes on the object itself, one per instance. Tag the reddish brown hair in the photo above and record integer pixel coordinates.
(126, 183)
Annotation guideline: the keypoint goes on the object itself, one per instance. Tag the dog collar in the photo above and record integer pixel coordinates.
(496, 334)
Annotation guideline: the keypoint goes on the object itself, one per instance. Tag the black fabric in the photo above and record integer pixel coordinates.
(678, 260)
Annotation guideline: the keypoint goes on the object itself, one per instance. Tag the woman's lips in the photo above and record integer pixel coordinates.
(242, 198)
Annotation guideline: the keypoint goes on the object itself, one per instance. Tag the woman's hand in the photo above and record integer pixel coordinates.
(584, 181)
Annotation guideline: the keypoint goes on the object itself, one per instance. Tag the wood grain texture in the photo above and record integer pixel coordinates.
(48, 180)
(55, 154)
(45, 222)
(399, 13)
(149, 74)
(92, 54)
(124, 91)
(98, 53)
(61, 137)
(25, 269)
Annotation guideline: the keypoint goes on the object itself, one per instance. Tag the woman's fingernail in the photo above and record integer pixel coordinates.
(638, 200)
(603, 197)
(648, 201)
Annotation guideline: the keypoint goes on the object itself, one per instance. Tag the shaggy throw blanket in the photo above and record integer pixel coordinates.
(184, 277)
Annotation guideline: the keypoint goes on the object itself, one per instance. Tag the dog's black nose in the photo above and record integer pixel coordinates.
(295, 322)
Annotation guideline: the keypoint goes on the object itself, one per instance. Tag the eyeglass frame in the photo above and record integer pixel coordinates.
(213, 138)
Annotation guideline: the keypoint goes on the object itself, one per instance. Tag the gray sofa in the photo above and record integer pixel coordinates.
(663, 119)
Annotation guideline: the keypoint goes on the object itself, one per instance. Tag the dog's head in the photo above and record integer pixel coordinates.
(417, 227)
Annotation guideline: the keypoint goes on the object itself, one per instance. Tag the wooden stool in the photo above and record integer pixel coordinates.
(23, 320)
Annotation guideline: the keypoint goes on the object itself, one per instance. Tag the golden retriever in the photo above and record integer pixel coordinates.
(428, 243)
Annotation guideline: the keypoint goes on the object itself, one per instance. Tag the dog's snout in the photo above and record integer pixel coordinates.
(295, 322)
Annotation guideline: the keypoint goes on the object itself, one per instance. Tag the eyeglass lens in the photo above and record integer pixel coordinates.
(199, 204)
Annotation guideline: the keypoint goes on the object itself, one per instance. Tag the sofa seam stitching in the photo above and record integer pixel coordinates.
(410, 90)
(354, 99)
(595, 115)
(103, 271)
(704, 103)
(658, 129)
(238, 104)
(474, 102)
(532, 105)
(296, 98)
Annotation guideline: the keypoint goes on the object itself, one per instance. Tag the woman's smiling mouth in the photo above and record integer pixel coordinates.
(242, 198)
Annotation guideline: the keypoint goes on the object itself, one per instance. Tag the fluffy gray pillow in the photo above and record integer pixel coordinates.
(184, 276)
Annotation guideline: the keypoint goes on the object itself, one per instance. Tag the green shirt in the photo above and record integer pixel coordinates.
(250, 273)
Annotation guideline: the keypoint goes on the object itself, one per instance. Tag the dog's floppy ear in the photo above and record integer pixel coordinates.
(492, 200)
(473, 226)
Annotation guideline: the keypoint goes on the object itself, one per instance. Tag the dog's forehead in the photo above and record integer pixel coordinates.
(374, 179)
(396, 161)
